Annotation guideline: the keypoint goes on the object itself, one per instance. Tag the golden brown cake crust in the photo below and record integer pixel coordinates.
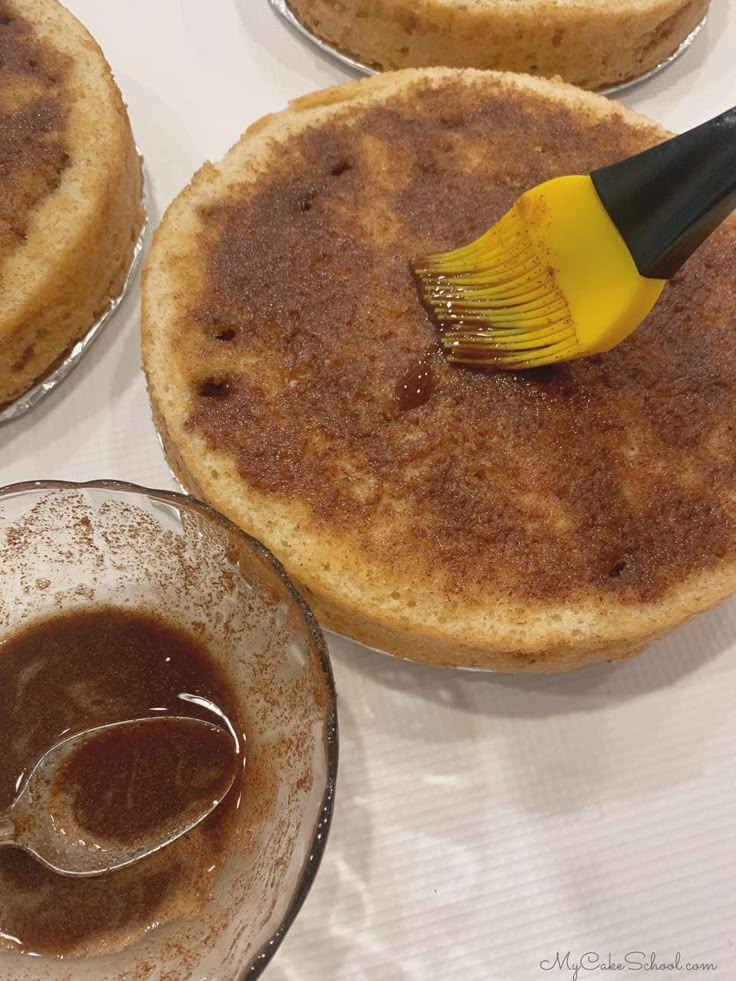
(70, 188)
(522, 521)
(592, 43)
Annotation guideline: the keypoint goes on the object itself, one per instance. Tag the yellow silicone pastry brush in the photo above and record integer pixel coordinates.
(578, 262)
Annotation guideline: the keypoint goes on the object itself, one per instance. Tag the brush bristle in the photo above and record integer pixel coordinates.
(496, 301)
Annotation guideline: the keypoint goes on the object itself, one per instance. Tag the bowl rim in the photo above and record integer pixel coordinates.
(258, 962)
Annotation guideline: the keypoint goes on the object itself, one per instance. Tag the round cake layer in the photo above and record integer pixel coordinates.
(592, 43)
(70, 188)
(533, 520)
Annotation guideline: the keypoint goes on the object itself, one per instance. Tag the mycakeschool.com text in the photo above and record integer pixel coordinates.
(570, 966)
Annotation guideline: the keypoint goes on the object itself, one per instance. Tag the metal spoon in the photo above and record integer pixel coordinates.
(42, 818)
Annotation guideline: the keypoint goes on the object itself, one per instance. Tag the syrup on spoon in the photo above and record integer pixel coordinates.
(109, 796)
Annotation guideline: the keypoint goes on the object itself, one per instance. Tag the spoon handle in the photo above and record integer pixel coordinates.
(7, 829)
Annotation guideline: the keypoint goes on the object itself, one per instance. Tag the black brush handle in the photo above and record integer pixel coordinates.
(667, 200)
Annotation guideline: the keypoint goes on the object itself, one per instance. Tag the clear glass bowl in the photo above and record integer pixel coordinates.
(66, 545)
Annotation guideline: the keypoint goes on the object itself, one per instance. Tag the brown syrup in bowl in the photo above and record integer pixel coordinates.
(93, 667)
(133, 784)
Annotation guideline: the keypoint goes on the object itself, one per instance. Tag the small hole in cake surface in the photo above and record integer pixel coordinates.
(214, 388)
(341, 168)
(616, 569)
(225, 335)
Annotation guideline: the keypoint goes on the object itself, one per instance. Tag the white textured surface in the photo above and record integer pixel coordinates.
(483, 823)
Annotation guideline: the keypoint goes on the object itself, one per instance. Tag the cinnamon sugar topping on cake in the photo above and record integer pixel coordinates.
(611, 474)
(32, 116)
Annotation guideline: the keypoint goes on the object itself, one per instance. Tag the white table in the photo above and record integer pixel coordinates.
(483, 823)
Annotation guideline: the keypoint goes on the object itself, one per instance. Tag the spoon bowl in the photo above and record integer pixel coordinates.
(112, 795)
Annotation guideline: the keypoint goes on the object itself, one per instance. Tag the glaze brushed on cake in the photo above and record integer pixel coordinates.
(518, 521)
